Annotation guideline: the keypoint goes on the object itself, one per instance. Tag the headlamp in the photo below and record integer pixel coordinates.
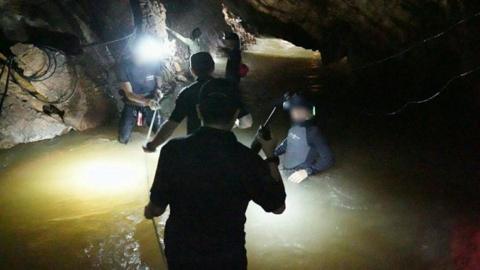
(150, 49)
(291, 100)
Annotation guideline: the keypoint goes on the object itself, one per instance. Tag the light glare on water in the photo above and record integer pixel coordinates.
(281, 48)
(76, 202)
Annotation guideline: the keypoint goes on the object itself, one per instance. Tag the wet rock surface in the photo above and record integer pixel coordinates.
(48, 96)
(21, 123)
(361, 29)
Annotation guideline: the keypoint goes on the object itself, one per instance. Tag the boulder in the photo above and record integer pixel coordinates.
(65, 85)
(22, 124)
(51, 95)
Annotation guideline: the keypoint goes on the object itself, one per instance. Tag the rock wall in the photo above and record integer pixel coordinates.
(23, 123)
(358, 29)
(49, 95)
(362, 32)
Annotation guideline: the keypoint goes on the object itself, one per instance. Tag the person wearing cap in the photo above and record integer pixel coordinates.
(305, 150)
(202, 66)
(207, 179)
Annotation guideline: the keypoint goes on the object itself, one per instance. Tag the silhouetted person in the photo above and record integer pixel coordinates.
(208, 179)
(234, 54)
(193, 43)
(305, 150)
(202, 66)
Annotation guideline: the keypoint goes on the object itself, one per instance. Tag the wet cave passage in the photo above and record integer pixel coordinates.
(403, 193)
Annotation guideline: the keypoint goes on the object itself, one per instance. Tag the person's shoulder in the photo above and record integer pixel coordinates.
(313, 129)
(315, 134)
(125, 63)
(189, 89)
(246, 154)
(176, 143)
(122, 70)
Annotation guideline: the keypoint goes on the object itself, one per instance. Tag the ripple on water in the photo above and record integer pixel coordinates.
(120, 249)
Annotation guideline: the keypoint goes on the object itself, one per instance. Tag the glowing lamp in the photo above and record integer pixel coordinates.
(150, 49)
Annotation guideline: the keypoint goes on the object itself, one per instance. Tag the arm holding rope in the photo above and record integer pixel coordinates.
(165, 132)
(142, 101)
(160, 191)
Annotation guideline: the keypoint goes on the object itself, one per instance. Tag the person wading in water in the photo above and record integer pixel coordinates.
(202, 66)
(145, 88)
(208, 179)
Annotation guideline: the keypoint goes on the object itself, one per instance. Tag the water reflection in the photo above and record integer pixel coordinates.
(76, 202)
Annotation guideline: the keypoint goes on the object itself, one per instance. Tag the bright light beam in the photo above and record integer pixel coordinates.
(149, 49)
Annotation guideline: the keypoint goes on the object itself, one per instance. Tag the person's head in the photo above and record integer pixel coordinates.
(231, 40)
(300, 108)
(196, 33)
(218, 104)
(147, 50)
(300, 114)
(202, 64)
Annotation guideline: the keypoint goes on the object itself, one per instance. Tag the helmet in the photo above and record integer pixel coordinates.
(297, 100)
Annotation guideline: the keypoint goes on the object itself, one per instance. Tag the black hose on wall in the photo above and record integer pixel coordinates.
(8, 66)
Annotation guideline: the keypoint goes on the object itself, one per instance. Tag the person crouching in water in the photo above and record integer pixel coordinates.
(305, 150)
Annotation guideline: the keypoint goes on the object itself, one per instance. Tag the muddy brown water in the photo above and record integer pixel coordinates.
(76, 202)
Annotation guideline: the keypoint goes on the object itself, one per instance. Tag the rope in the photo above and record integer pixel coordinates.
(159, 242)
(51, 54)
(110, 41)
(428, 99)
(412, 47)
(155, 229)
(3, 70)
(47, 74)
(418, 43)
(7, 82)
(51, 68)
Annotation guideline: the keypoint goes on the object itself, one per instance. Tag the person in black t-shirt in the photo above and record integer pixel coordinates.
(202, 66)
(141, 84)
(234, 55)
(208, 180)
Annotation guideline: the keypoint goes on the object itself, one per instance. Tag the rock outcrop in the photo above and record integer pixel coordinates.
(23, 121)
(360, 30)
(49, 95)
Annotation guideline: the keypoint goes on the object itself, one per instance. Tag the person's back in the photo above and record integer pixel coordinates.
(211, 191)
(186, 104)
(209, 195)
(208, 179)
(202, 66)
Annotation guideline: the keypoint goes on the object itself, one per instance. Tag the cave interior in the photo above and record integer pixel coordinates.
(396, 91)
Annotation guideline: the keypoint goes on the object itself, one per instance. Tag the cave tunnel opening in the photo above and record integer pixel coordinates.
(400, 111)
